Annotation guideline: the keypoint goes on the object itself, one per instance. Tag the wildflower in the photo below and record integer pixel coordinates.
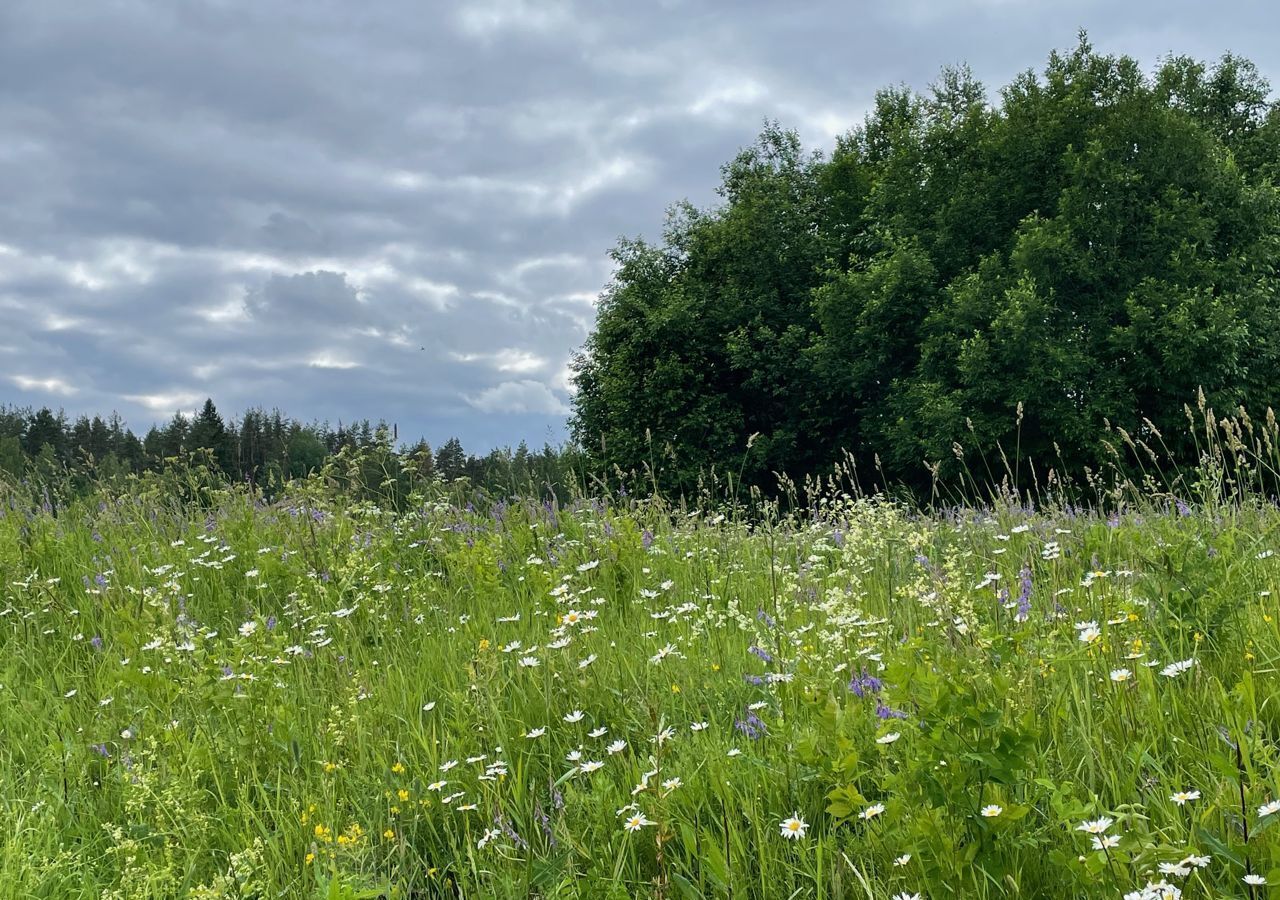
(1174, 669)
(1177, 870)
(529, 662)
(871, 811)
(1097, 826)
(885, 712)
(1252, 879)
(902, 860)
(793, 828)
(590, 766)
(446, 766)
(671, 784)
(888, 738)
(616, 747)
(636, 822)
(536, 732)
(1120, 675)
(863, 684)
(1105, 841)
(699, 726)
(905, 896)
(992, 811)
(1091, 634)
(1269, 808)
(1182, 797)
(734, 752)
(662, 654)
(575, 716)
(248, 628)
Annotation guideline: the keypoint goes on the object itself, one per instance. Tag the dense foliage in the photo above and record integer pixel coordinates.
(265, 450)
(322, 698)
(1089, 251)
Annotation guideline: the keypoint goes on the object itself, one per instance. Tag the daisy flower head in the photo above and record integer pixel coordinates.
(636, 822)
(1271, 807)
(1183, 797)
(888, 738)
(1121, 675)
(1174, 669)
(871, 811)
(1252, 879)
(793, 828)
(992, 810)
(1105, 841)
(1097, 826)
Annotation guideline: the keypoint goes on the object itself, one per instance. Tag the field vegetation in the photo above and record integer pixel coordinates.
(1067, 694)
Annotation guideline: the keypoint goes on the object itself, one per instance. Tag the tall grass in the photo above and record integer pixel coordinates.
(206, 695)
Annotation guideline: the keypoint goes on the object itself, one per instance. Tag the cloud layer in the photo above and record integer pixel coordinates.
(404, 211)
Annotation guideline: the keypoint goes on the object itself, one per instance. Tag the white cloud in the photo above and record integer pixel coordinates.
(511, 359)
(167, 402)
(327, 360)
(524, 396)
(48, 385)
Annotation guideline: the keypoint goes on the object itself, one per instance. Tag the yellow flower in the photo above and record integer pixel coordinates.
(484, 644)
(389, 834)
(675, 688)
(309, 859)
(715, 667)
(403, 795)
(398, 768)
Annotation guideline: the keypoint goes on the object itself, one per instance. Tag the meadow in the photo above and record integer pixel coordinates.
(315, 697)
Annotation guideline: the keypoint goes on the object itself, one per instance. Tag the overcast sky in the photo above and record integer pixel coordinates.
(402, 209)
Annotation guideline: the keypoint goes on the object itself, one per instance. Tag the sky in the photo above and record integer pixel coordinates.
(402, 209)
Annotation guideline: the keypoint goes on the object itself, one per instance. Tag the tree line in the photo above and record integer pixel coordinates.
(264, 448)
(1032, 279)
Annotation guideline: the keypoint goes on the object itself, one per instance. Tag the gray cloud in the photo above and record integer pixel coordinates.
(404, 211)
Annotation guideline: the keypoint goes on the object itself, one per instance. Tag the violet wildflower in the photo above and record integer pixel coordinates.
(886, 712)
(865, 684)
(1024, 594)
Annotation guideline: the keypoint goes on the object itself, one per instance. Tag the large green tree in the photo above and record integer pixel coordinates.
(1096, 245)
